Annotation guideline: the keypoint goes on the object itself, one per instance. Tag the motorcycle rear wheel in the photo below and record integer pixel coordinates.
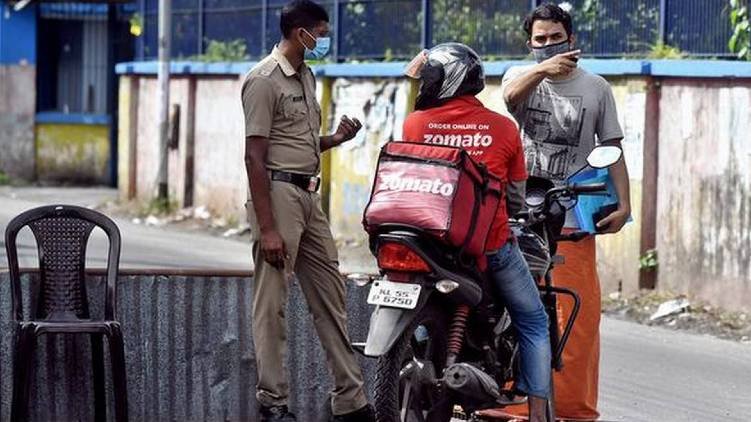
(396, 399)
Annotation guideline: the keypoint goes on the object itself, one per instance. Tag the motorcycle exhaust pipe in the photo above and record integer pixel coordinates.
(471, 382)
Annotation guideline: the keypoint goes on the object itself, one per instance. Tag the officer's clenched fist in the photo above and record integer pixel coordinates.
(346, 130)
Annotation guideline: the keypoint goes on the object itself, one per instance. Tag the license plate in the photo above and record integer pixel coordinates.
(394, 295)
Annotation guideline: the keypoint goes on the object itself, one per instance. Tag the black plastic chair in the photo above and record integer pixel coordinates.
(62, 306)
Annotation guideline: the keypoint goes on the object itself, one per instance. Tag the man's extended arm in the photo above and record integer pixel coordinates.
(520, 88)
(346, 130)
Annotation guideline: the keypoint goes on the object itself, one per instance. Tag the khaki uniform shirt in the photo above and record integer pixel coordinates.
(280, 104)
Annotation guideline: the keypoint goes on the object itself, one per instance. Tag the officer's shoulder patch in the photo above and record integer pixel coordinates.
(265, 67)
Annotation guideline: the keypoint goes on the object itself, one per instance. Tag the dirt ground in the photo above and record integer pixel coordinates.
(697, 317)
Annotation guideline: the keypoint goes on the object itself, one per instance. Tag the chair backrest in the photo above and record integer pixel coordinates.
(62, 234)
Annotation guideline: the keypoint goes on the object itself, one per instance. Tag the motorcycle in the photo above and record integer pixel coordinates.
(444, 346)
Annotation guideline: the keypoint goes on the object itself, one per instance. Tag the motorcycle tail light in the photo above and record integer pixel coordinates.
(398, 257)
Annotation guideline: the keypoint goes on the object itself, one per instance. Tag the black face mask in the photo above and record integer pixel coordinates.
(543, 53)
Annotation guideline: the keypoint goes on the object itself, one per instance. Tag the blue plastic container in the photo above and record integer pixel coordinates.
(588, 205)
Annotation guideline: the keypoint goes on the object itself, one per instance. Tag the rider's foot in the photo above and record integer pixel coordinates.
(537, 409)
(277, 414)
(364, 414)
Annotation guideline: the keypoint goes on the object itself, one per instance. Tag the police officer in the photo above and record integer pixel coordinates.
(289, 229)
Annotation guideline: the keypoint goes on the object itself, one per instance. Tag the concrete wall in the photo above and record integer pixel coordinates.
(218, 177)
(17, 91)
(704, 190)
(381, 106)
(127, 136)
(618, 255)
(147, 138)
(189, 352)
(17, 109)
(77, 153)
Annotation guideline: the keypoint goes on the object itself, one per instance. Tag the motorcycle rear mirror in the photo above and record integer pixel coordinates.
(604, 156)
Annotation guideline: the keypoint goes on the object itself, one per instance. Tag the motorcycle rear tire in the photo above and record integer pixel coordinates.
(387, 385)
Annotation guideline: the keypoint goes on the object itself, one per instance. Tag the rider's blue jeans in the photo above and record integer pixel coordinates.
(514, 287)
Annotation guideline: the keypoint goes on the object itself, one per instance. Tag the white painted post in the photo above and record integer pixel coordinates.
(162, 92)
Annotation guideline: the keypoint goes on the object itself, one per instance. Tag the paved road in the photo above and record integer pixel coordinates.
(142, 246)
(647, 374)
(653, 374)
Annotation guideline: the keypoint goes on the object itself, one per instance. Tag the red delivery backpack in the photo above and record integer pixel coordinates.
(438, 189)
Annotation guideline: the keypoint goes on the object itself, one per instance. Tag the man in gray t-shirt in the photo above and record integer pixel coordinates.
(563, 120)
(563, 112)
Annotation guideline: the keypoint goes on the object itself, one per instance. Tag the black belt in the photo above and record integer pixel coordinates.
(303, 181)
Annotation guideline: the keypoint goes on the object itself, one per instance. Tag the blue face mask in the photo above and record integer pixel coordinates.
(320, 50)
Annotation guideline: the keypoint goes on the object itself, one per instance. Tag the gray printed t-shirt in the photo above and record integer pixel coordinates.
(562, 121)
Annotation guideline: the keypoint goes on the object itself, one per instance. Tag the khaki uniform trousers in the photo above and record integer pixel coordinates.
(312, 254)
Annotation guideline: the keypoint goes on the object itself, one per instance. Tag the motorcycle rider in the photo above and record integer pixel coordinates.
(447, 113)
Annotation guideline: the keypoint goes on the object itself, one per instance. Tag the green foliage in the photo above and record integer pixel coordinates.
(642, 16)
(224, 51)
(388, 55)
(453, 20)
(590, 13)
(477, 29)
(4, 179)
(649, 261)
(740, 41)
(363, 29)
(592, 18)
(136, 24)
(158, 206)
(659, 50)
(496, 32)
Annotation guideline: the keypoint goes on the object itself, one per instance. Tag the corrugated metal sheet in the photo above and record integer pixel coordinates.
(704, 191)
(189, 352)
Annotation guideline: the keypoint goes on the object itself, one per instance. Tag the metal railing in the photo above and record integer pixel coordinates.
(396, 29)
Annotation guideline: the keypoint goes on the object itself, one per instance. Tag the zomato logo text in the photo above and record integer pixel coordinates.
(460, 141)
(410, 184)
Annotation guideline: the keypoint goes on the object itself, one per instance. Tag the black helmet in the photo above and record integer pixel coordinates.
(446, 71)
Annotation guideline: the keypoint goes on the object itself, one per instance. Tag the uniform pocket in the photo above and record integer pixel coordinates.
(293, 106)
